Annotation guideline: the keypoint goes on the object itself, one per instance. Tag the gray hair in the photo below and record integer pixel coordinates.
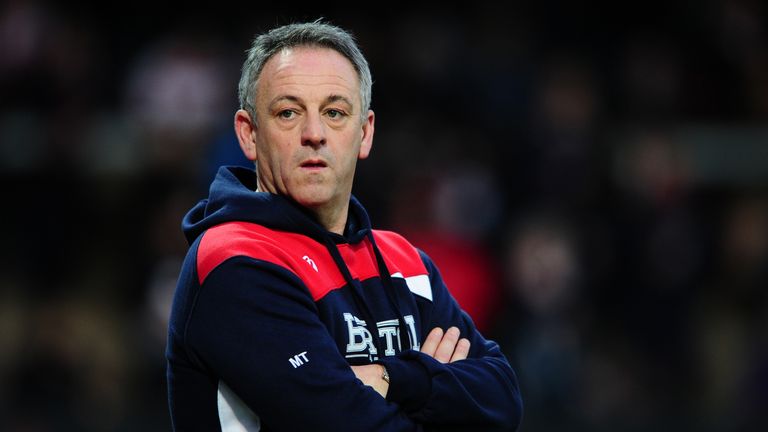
(314, 34)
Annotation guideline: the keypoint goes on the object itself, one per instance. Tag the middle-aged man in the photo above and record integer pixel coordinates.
(291, 312)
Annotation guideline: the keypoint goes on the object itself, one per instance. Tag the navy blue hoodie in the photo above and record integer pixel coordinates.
(271, 309)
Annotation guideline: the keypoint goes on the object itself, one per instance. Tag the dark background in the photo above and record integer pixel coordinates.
(592, 182)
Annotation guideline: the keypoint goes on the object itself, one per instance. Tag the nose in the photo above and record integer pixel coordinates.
(313, 131)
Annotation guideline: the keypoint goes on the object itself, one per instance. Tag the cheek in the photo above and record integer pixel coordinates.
(275, 153)
(352, 155)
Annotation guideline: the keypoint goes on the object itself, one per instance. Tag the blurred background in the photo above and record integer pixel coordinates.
(592, 182)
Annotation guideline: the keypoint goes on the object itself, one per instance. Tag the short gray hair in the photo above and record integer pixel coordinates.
(313, 34)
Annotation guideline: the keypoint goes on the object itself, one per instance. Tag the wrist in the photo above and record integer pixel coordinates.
(383, 387)
(410, 379)
(384, 374)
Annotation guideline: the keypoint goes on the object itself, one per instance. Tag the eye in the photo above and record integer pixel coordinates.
(334, 114)
(287, 114)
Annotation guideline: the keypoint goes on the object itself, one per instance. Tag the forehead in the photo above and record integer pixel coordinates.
(308, 69)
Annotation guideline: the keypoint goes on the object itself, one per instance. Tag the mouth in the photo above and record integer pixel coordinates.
(314, 164)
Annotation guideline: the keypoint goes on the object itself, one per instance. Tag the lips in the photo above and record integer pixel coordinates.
(314, 163)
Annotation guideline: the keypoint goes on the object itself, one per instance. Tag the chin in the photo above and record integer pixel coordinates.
(312, 198)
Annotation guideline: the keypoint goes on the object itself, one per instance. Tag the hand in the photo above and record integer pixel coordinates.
(446, 348)
(370, 375)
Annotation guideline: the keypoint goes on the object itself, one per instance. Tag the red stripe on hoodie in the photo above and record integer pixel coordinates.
(305, 257)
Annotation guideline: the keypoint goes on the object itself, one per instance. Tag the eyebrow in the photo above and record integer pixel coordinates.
(282, 98)
(330, 99)
(338, 98)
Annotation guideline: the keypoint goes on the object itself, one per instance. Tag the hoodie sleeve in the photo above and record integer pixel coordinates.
(478, 393)
(256, 327)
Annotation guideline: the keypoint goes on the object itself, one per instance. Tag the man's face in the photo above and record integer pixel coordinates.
(308, 133)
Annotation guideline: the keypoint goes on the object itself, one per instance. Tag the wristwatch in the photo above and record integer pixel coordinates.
(385, 374)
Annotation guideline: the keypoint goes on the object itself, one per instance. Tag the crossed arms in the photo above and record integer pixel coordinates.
(244, 338)
(445, 347)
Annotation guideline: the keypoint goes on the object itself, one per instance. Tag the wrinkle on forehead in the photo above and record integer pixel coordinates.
(310, 66)
(316, 58)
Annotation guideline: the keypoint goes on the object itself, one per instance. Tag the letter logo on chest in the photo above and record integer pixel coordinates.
(360, 340)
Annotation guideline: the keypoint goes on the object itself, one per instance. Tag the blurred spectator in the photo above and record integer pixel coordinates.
(49, 82)
(565, 113)
(541, 327)
(449, 213)
(743, 35)
(652, 78)
(177, 95)
(71, 373)
(731, 322)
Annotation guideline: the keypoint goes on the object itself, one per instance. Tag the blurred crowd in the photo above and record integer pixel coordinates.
(592, 184)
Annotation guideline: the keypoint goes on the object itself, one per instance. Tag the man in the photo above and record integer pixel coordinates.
(291, 313)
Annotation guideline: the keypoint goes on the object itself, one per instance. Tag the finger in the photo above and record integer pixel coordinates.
(433, 340)
(462, 350)
(447, 345)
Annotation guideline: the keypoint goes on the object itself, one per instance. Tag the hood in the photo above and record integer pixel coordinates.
(232, 197)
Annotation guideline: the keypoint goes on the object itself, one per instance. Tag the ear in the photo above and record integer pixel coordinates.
(244, 129)
(367, 139)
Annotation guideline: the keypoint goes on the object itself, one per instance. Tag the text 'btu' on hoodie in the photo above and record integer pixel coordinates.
(271, 310)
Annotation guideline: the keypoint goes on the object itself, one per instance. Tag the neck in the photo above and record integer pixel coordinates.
(332, 218)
